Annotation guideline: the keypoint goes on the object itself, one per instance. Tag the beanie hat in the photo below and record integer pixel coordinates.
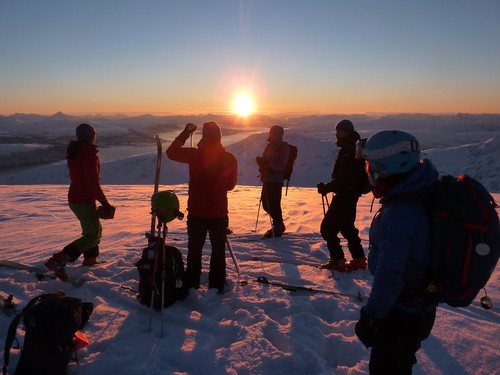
(276, 133)
(211, 132)
(85, 133)
(345, 125)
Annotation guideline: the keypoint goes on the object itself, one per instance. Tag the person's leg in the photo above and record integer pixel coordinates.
(348, 229)
(91, 226)
(197, 233)
(330, 227)
(217, 234)
(275, 191)
(399, 340)
(86, 213)
(264, 197)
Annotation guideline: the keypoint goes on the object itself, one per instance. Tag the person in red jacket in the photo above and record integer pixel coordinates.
(84, 191)
(212, 173)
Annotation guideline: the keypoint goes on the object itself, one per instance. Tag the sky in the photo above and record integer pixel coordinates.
(325, 56)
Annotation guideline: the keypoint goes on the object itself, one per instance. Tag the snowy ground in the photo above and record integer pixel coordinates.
(253, 329)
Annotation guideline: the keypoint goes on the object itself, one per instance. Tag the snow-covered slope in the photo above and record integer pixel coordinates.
(314, 163)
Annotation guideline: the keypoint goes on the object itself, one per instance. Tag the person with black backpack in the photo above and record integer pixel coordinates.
(272, 168)
(348, 182)
(398, 315)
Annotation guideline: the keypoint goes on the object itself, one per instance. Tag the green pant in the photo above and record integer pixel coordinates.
(86, 213)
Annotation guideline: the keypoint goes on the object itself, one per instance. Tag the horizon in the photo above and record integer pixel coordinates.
(268, 57)
(232, 113)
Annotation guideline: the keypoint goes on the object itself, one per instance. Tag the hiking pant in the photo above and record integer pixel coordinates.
(398, 341)
(197, 233)
(271, 201)
(340, 217)
(88, 243)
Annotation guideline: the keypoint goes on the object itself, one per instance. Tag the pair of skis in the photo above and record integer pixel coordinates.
(41, 273)
(160, 239)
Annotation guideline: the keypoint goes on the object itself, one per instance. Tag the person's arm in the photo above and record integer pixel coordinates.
(233, 174)
(175, 151)
(398, 231)
(91, 173)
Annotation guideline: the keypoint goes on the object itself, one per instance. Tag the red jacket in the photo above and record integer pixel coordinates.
(84, 172)
(212, 173)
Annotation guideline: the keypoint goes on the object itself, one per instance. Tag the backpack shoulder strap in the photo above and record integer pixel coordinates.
(11, 333)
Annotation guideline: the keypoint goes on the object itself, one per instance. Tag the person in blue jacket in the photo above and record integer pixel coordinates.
(399, 315)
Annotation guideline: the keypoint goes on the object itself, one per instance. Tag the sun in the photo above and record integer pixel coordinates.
(243, 106)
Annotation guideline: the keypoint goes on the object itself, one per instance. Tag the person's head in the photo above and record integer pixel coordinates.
(389, 153)
(85, 133)
(211, 134)
(343, 129)
(276, 134)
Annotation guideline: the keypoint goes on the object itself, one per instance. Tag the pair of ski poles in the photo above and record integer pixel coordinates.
(160, 242)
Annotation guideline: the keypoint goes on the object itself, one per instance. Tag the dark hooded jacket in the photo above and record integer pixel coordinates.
(348, 174)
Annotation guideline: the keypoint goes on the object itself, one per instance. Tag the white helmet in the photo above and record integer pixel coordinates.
(391, 152)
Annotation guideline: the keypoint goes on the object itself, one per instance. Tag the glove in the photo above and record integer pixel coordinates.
(186, 133)
(322, 189)
(106, 211)
(367, 328)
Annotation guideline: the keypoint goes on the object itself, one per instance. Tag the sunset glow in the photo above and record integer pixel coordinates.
(163, 65)
(243, 106)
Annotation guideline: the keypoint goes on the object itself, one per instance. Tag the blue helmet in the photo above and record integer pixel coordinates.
(391, 152)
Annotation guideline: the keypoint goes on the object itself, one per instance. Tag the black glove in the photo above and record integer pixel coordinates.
(106, 211)
(367, 328)
(186, 133)
(322, 189)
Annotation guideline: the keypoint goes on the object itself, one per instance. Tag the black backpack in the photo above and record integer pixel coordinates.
(50, 322)
(466, 235)
(151, 278)
(466, 238)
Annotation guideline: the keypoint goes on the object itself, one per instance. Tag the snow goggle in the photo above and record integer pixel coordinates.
(381, 153)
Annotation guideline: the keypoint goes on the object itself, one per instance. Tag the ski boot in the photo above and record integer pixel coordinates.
(90, 257)
(275, 231)
(358, 264)
(56, 263)
(338, 265)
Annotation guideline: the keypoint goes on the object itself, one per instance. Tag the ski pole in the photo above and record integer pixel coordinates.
(236, 265)
(163, 276)
(258, 212)
(294, 288)
(154, 287)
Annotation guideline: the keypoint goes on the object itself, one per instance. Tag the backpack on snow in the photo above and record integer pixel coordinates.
(466, 239)
(287, 172)
(152, 273)
(51, 321)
